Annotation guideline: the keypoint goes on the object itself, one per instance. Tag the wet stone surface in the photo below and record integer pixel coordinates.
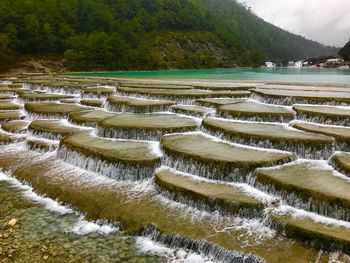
(40, 235)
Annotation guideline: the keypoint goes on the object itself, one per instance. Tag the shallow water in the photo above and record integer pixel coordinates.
(263, 74)
(43, 235)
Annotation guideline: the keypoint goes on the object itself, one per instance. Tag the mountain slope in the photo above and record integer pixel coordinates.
(145, 34)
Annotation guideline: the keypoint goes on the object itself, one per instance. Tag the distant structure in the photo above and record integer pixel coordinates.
(334, 63)
(270, 64)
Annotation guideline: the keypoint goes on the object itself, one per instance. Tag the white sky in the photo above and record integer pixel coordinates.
(326, 21)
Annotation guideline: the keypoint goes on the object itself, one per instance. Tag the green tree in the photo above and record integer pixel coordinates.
(6, 54)
(345, 51)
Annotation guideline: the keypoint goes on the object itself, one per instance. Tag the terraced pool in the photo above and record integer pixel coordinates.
(133, 170)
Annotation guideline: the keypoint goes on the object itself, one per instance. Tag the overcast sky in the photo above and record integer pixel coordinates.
(327, 21)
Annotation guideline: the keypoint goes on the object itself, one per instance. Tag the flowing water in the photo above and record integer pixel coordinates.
(94, 195)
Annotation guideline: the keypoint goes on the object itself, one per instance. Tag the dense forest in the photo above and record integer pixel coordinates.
(345, 52)
(145, 34)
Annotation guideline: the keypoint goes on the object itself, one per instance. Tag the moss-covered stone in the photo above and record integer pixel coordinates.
(7, 97)
(312, 186)
(319, 235)
(251, 110)
(7, 138)
(209, 157)
(75, 100)
(151, 126)
(18, 126)
(54, 129)
(193, 110)
(98, 103)
(44, 96)
(339, 133)
(290, 97)
(136, 105)
(271, 135)
(182, 95)
(41, 145)
(99, 92)
(211, 195)
(154, 85)
(9, 115)
(9, 105)
(323, 114)
(120, 159)
(57, 86)
(218, 102)
(341, 162)
(55, 109)
(225, 86)
(89, 117)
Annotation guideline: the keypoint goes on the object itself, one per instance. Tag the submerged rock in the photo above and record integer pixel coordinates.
(89, 117)
(54, 129)
(341, 162)
(212, 158)
(324, 114)
(272, 135)
(53, 109)
(119, 159)
(150, 126)
(181, 96)
(328, 237)
(20, 126)
(192, 110)
(205, 194)
(339, 133)
(313, 186)
(255, 111)
(10, 115)
(136, 105)
(9, 105)
(218, 102)
(93, 102)
(290, 97)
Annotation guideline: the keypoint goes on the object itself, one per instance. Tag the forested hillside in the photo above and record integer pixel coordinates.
(345, 51)
(145, 34)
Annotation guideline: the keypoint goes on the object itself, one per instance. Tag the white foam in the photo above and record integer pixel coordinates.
(147, 246)
(155, 149)
(270, 105)
(83, 227)
(299, 213)
(29, 193)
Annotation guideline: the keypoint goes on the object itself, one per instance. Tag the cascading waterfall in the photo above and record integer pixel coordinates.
(289, 101)
(225, 209)
(120, 107)
(179, 100)
(206, 169)
(136, 134)
(324, 119)
(266, 118)
(41, 145)
(200, 246)
(306, 203)
(302, 150)
(115, 170)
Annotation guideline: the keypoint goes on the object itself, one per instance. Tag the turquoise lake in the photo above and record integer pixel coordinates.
(263, 74)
